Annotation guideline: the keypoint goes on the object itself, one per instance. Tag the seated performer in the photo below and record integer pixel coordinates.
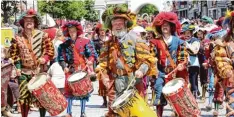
(75, 54)
(124, 56)
(170, 51)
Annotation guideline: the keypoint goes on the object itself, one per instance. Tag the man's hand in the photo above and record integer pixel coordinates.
(18, 72)
(139, 74)
(42, 61)
(66, 70)
(180, 67)
(205, 65)
(89, 63)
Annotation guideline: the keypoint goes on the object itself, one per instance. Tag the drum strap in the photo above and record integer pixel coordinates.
(167, 53)
(77, 57)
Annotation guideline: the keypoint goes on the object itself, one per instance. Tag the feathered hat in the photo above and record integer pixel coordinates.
(167, 17)
(70, 24)
(98, 27)
(120, 11)
(216, 32)
(30, 13)
(228, 20)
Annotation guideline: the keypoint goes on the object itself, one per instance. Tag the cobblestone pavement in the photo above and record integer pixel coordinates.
(93, 110)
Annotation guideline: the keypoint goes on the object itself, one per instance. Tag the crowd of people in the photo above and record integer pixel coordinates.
(126, 55)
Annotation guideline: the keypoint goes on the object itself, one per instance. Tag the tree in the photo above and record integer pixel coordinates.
(149, 9)
(73, 10)
(91, 14)
(8, 9)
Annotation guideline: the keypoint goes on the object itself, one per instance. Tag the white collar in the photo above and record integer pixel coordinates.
(168, 41)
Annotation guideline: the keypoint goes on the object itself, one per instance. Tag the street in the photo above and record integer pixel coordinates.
(93, 110)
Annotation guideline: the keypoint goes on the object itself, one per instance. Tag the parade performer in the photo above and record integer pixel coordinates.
(169, 50)
(124, 56)
(220, 64)
(200, 34)
(193, 46)
(75, 54)
(30, 50)
(228, 81)
(6, 68)
(100, 30)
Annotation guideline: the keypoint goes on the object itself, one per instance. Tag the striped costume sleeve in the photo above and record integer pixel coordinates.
(90, 51)
(15, 54)
(182, 54)
(48, 49)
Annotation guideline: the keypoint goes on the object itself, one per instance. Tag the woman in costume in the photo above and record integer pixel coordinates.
(75, 54)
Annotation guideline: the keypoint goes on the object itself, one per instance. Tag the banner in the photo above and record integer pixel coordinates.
(6, 36)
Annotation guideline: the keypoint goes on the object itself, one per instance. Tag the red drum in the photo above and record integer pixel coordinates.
(6, 70)
(180, 98)
(80, 84)
(47, 94)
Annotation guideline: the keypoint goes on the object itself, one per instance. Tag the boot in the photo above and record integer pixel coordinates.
(204, 87)
(159, 110)
(104, 105)
(83, 115)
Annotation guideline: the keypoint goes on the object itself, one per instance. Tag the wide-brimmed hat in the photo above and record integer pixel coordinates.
(120, 11)
(70, 24)
(170, 17)
(30, 13)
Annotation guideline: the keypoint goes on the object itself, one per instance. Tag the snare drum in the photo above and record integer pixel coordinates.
(131, 104)
(180, 98)
(80, 84)
(47, 94)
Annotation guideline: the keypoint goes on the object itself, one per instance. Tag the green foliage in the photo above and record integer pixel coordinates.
(8, 9)
(70, 9)
(91, 14)
(149, 9)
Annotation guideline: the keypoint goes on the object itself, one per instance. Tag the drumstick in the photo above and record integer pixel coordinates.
(174, 70)
(131, 83)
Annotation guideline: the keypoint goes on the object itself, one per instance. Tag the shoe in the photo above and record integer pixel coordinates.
(209, 107)
(198, 93)
(7, 114)
(83, 115)
(215, 113)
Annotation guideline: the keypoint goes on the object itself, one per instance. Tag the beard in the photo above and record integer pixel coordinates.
(119, 33)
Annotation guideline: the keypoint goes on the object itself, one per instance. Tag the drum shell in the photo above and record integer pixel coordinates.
(81, 87)
(134, 106)
(180, 100)
(49, 97)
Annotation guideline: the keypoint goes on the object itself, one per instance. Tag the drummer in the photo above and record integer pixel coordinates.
(30, 50)
(124, 56)
(170, 51)
(75, 54)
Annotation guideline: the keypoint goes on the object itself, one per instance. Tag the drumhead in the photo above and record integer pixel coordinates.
(122, 98)
(173, 86)
(36, 82)
(77, 76)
